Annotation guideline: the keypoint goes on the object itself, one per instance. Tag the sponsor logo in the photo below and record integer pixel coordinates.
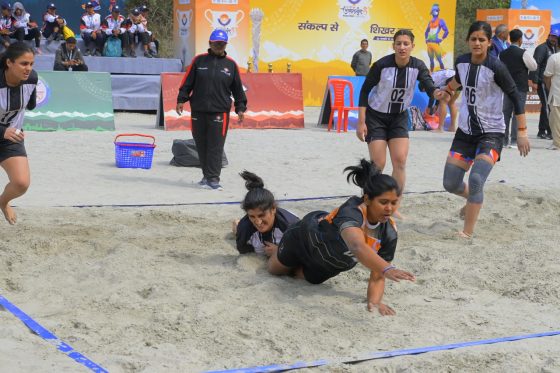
(226, 71)
(529, 34)
(226, 2)
(224, 20)
(494, 18)
(43, 93)
(530, 17)
(184, 2)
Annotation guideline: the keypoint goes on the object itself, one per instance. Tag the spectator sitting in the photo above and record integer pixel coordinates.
(52, 23)
(25, 28)
(92, 31)
(6, 24)
(137, 29)
(145, 12)
(116, 27)
(69, 58)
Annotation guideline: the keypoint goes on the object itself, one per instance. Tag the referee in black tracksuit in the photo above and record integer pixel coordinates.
(210, 81)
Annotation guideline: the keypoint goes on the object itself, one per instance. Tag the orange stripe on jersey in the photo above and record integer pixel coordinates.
(460, 157)
(372, 242)
(494, 154)
(224, 124)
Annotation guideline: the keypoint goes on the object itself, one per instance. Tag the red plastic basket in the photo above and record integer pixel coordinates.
(134, 154)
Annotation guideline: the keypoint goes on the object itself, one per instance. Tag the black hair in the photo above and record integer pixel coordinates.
(368, 177)
(13, 52)
(480, 26)
(364, 40)
(515, 35)
(404, 31)
(71, 40)
(258, 197)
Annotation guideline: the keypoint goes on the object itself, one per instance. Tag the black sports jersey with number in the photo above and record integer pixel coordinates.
(14, 101)
(390, 89)
(249, 239)
(484, 86)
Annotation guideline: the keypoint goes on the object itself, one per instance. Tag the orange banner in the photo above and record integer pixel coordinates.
(274, 101)
(195, 20)
(534, 24)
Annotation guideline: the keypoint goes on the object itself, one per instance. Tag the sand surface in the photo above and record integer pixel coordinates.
(162, 288)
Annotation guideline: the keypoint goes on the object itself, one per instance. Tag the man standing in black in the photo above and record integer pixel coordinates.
(519, 62)
(210, 81)
(541, 54)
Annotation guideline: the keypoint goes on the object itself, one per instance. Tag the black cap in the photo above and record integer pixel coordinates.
(71, 40)
(51, 6)
(135, 12)
(89, 4)
(6, 5)
(116, 8)
(144, 8)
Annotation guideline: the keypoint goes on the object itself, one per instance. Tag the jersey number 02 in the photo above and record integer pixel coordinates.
(397, 95)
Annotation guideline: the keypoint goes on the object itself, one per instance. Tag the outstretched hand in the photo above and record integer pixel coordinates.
(398, 274)
(383, 309)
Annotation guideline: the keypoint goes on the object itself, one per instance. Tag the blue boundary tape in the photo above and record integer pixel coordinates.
(232, 202)
(50, 337)
(384, 354)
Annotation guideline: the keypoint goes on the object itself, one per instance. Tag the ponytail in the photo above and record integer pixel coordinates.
(369, 178)
(258, 197)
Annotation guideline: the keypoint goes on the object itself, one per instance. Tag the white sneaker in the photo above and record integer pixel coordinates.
(552, 147)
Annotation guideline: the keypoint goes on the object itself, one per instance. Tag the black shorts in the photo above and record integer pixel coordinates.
(10, 149)
(298, 248)
(467, 147)
(383, 126)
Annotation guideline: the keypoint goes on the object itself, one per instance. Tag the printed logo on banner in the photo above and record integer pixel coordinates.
(494, 18)
(184, 2)
(226, 2)
(43, 93)
(354, 8)
(227, 21)
(184, 18)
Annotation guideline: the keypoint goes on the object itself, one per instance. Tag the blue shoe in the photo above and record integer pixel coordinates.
(203, 182)
(215, 185)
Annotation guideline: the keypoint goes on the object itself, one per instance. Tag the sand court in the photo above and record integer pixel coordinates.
(162, 288)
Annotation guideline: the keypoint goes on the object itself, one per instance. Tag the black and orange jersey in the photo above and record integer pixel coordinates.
(381, 237)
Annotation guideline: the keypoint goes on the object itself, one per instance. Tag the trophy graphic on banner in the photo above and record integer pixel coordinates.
(256, 20)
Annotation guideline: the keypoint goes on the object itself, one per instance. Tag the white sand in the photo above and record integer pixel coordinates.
(162, 289)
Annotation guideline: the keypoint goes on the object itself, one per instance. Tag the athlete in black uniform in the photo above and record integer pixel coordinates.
(264, 223)
(210, 81)
(479, 138)
(18, 83)
(384, 99)
(322, 245)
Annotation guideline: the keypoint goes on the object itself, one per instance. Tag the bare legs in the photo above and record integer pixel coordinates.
(19, 177)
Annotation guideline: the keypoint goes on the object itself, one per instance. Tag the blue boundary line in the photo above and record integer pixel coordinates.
(230, 202)
(383, 354)
(50, 337)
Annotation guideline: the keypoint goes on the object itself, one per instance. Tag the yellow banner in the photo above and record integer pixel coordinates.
(319, 38)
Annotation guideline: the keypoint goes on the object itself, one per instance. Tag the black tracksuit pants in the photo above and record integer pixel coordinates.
(209, 131)
(544, 127)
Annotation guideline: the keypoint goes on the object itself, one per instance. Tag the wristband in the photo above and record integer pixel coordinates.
(522, 129)
(388, 268)
(448, 86)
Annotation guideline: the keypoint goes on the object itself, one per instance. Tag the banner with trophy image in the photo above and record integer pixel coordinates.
(319, 39)
(535, 25)
(196, 19)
